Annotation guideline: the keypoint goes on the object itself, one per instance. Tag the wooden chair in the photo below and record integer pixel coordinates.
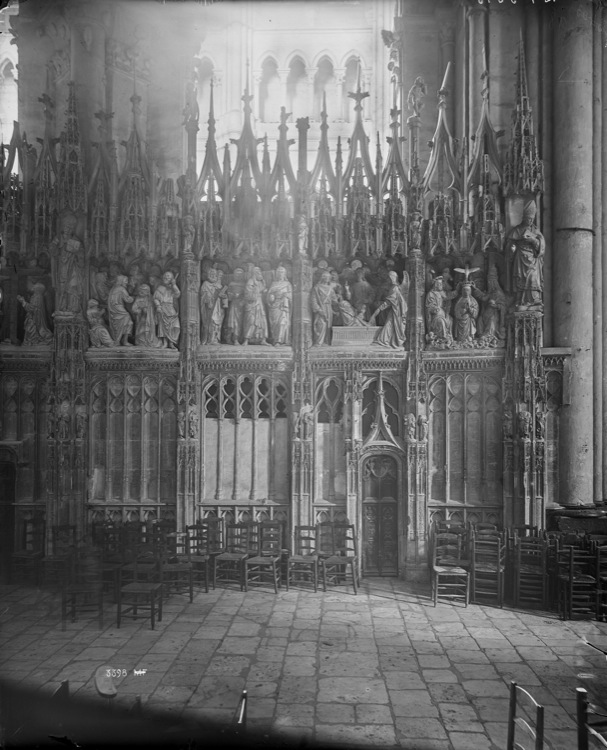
(590, 731)
(529, 571)
(520, 698)
(26, 560)
(487, 569)
(84, 589)
(577, 583)
(176, 568)
(343, 559)
(450, 576)
(56, 566)
(200, 558)
(266, 565)
(140, 595)
(601, 582)
(302, 565)
(241, 543)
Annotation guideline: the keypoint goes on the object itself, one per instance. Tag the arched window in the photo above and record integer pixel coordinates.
(296, 89)
(324, 83)
(269, 92)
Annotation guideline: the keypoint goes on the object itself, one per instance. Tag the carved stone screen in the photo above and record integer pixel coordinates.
(245, 443)
(465, 447)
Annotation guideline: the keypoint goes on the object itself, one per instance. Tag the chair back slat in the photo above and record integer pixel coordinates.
(304, 540)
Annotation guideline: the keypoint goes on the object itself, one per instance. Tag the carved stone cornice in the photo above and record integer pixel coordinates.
(358, 362)
(244, 365)
(471, 361)
(132, 359)
(19, 359)
(555, 358)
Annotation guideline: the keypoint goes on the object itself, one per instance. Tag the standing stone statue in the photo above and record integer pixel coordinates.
(234, 316)
(466, 313)
(168, 317)
(280, 299)
(121, 323)
(68, 254)
(212, 311)
(393, 332)
(255, 324)
(492, 320)
(527, 247)
(322, 300)
(98, 332)
(36, 329)
(145, 318)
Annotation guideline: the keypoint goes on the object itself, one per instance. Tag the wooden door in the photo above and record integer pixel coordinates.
(380, 516)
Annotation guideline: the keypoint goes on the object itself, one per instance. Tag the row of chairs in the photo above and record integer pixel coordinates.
(528, 567)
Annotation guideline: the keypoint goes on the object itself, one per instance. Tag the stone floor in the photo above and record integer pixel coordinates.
(381, 669)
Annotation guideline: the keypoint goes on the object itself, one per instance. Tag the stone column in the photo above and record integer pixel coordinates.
(603, 140)
(597, 253)
(573, 243)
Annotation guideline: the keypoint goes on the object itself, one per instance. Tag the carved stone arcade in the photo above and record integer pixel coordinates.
(270, 395)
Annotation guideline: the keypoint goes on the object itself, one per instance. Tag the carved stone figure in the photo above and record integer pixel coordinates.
(68, 254)
(280, 300)
(422, 424)
(322, 300)
(410, 427)
(415, 97)
(212, 311)
(363, 293)
(121, 323)
(438, 321)
(303, 422)
(492, 319)
(168, 317)
(392, 333)
(302, 235)
(415, 231)
(508, 425)
(82, 419)
(189, 232)
(98, 331)
(135, 278)
(181, 424)
(145, 318)
(36, 328)
(524, 424)
(193, 423)
(527, 246)
(466, 313)
(234, 316)
(255, 324)
(63, 421)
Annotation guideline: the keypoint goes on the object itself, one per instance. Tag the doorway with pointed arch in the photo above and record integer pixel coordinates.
(380, 491)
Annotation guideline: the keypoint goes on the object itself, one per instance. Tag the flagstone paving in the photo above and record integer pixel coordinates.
(381, 669)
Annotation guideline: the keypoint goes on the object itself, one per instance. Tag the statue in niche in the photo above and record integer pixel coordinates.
(302, 235)
(121, 323)
(63, 421)
(280, 300)
(100, 286)
(254, 323)
(193, 423)
(415, 231)
(82, 419)
(466, 312)
(145, 318)
(540, 423)
(508, 425)
(524, 424)
(36, 329)
(438, 320)
(422, 425)
(393, 331)
(98, 331)
(492, 319)
(410, 427)
(303, 422)
(166, 312)
(189, 232)
(181, 424)
(527, 247)
(322, 300)
(234, 316)
(68, 253)
(212, 310)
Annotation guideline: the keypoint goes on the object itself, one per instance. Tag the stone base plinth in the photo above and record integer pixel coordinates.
(354, 335)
